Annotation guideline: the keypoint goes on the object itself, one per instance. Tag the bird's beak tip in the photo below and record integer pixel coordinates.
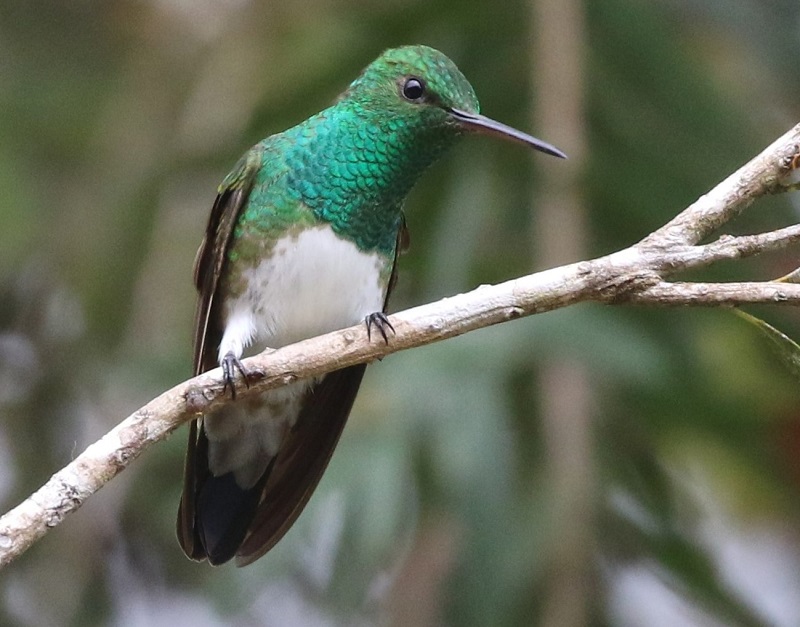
(487, 126)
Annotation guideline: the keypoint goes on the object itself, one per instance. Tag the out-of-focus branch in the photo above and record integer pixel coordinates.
(564, 391)
(635, 274)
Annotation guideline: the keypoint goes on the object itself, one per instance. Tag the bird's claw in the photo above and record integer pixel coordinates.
(231, 363)
(380, 321)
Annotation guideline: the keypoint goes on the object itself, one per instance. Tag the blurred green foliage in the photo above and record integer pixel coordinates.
(118, 121)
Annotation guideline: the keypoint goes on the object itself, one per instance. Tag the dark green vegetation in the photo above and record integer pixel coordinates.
(118, 121)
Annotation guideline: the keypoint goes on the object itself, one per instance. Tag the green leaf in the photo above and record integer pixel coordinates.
(792, 277)
(786, 348)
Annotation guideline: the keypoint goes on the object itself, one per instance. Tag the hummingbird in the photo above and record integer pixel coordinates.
(303, 239)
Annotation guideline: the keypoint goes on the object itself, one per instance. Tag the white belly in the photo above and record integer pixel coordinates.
(313, 283)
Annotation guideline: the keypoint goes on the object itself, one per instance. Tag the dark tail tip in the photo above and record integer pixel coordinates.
(223, 516)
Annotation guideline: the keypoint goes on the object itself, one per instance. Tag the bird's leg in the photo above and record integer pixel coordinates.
(231, 363)
(381, 323)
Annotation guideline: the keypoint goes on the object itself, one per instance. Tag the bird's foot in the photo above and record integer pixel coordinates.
(231, 363)
(381, 323)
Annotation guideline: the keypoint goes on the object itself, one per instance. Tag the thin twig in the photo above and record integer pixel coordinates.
(765, 174)
(717, 294)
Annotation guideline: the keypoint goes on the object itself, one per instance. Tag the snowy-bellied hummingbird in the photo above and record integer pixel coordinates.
(302, 240)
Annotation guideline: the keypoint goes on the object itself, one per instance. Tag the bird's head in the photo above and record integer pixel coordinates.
(418, 87)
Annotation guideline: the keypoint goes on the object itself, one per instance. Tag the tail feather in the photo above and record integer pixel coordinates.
(223, 514)
(302, 461)
(218, 520)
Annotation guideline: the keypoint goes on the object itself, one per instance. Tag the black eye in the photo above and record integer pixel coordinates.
(413, 89)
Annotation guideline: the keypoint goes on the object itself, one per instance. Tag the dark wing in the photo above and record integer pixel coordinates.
(208, 265)
(401, 246)
(308, 448)
(232, 196)
(301, 461)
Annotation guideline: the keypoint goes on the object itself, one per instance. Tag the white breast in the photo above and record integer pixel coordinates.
(313, 283)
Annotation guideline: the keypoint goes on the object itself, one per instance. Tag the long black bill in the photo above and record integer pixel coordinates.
(481, 124)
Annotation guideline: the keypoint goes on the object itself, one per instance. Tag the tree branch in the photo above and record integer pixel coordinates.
(634, 275)
(717, 294)
(765, 174)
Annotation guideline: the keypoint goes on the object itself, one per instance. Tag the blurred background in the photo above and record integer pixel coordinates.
(591, 466)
